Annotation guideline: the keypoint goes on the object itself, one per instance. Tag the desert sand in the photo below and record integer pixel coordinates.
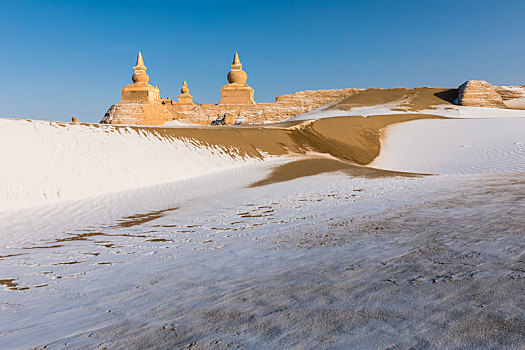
(409, 99)
(355, 139)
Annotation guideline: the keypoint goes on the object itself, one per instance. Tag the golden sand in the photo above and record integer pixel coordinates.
(353, 139)
(319, 165)
(412, 100)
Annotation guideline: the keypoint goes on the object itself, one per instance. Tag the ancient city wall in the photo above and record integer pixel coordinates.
(285, 106)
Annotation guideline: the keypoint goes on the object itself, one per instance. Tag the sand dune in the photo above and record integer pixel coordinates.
(49, 162)
(386, 101)
(53, 158)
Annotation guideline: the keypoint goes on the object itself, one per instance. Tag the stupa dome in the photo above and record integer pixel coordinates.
(140, 76)
(237, 75)
(185, 89)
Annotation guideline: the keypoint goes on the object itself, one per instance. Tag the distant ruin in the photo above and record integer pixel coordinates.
(141, 102)
(479, 93)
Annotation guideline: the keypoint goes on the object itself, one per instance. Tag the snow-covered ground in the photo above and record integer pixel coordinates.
(454, 146)
(77, 161)
(475, 112)
(186, 255)
(448, 111)
(328, 261)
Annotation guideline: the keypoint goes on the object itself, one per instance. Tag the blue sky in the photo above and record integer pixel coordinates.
(65, 58)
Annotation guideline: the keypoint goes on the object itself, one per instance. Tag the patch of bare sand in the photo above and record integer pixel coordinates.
(405, 99)
(319, 165)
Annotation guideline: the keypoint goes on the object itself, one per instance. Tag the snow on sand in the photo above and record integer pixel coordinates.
(327, 261)
(454, 146)
(472, 140)
(392, 108)
(42, 162)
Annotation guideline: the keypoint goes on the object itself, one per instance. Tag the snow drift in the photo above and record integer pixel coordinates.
(454, 146)
(447, 111)
(43, 162)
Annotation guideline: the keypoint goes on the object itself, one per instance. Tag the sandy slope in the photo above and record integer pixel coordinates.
(411, 100)
(49, 161)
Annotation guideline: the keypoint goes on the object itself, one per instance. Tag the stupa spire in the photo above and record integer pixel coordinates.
(236, 64)
(236, 74)
(185, 98)
(185, 89)
(140, 90)
(140, 61)
(140, 76)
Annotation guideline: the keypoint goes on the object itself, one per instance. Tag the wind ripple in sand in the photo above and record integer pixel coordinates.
(329, 261)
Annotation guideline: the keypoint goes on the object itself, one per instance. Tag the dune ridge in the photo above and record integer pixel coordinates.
(46, 162)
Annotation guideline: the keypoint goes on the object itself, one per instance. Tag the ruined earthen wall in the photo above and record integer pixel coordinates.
(142, 113)
(285, 106)
(511, 92)
(479, 93)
